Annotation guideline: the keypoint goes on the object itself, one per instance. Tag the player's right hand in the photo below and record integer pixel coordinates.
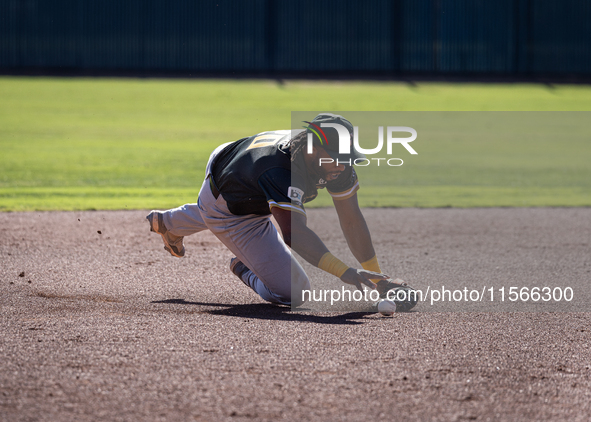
(359, 278)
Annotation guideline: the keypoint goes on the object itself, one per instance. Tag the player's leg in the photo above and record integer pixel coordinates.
(299, 282)
(184, 220)
(273, 273)
(174, 224)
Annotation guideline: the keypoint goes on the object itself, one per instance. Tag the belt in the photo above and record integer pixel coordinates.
(214, 190)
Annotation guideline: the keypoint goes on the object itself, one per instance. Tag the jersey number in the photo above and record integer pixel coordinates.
(266, 140)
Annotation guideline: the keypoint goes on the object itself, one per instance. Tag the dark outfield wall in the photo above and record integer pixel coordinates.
(504, 37)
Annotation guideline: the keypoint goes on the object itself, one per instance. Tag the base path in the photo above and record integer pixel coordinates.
(98, 322)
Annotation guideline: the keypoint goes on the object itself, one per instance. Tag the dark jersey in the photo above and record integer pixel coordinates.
(256, 174)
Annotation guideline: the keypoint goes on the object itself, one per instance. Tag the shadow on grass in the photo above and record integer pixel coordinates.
(272, 312)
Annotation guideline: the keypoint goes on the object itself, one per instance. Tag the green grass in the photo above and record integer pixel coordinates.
(129, 144)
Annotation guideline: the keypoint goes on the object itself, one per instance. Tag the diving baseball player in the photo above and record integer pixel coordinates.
(276, 173)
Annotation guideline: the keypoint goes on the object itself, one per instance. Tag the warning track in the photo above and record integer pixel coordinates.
(98, 322)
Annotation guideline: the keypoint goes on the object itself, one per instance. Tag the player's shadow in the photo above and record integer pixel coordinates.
(272, 312)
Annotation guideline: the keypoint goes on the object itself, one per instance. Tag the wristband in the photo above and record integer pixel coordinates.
(372, 265)
(332, 265)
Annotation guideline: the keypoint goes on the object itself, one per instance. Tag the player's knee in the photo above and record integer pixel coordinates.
(300, 290)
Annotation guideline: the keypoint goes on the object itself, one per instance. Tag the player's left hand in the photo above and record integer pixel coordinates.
(385, 285)
(359, 278)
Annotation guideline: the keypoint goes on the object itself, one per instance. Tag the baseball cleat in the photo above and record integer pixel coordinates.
(173, 244)
(237, 267)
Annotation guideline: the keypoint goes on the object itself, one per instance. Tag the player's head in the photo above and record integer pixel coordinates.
(324, 166)
(333, 134)
(327, 145)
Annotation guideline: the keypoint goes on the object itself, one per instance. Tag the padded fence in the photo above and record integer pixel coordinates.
(505, 37)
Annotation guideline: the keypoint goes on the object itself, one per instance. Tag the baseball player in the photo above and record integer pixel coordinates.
(276, 173)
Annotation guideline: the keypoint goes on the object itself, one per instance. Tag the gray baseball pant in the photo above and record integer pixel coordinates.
(274, 272)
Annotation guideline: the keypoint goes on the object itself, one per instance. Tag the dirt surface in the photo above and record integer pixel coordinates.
(98, 322)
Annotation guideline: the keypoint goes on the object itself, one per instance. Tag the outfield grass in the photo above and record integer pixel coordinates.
(129, 144)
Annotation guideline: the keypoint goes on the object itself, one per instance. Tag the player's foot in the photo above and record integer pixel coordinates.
(238, 268)
(172, 243)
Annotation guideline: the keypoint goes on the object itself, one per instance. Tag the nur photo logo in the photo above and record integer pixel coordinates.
(341, 138)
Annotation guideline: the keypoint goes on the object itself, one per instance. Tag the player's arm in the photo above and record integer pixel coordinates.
(353, 225)
(358, 238)
(309, 246)
(355, 228)
(298, 236)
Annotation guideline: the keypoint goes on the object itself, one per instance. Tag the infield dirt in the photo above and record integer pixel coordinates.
(98, 322)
